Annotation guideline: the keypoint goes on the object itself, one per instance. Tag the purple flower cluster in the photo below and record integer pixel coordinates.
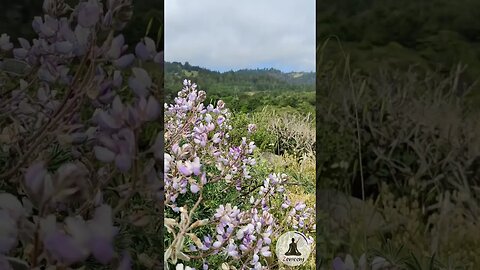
(78, 63)
(116, 137)
(199, 152)
(301, 217)
(78, 68)
(205, 130)
(75, 239)
(65, 243)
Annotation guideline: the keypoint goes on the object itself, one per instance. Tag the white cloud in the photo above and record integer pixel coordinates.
(232, 34)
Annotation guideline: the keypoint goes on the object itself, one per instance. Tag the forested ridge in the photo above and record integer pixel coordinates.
(247, 89)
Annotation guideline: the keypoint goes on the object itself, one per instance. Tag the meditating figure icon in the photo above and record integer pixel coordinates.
(292, 249)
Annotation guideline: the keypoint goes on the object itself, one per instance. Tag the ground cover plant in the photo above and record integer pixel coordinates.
(81, 138)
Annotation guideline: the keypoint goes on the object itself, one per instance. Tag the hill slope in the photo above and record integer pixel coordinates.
(241, 80)
(246, 90)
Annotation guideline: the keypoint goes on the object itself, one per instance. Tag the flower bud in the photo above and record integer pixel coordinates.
(89, 14)
(55, 8)
(5, 44)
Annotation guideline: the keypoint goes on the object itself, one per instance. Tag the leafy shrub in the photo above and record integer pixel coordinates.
(264, 139)
(280, 130)
(294, 133)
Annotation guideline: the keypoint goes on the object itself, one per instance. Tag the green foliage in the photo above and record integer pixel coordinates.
(263, 138)
(408, 140)
(433, 35)
(281, 106)
(247, 90)
(279, 131)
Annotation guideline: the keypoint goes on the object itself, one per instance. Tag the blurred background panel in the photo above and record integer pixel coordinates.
(398, 139)
(433, 35)
(17, 16)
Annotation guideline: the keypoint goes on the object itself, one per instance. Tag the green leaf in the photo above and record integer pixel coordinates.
(149, 26)
(159, 35)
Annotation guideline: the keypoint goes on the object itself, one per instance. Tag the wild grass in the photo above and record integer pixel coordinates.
(280, 130)
(286, 143)
(407, 145)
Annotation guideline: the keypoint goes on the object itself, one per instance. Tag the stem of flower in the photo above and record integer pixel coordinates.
(135, 178)
(36, 247)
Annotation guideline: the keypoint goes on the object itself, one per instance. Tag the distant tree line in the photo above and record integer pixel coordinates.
(246, 90)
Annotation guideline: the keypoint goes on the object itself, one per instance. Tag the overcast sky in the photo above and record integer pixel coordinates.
(227, 35)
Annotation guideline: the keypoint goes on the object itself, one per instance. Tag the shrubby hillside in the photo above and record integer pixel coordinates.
(397, 134)
(248, 90)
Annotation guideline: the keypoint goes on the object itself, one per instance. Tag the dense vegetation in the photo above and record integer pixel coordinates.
(397, 133)
(433, 35)
(248, 90)
(81, 158)
(239, 190)
(80, 130)
(280, 106)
